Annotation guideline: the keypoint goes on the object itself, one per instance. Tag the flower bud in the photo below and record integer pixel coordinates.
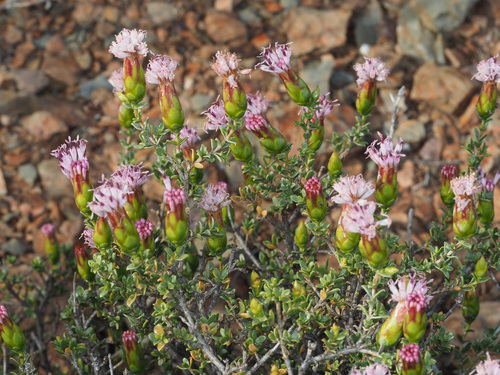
(448, 172)
(464, 214)
(470, 306)
(103, 236)
(487, 101)
(365, 101)
(51, 245)
(11, 333)
(346, 241)
(316, 140)
(301, 235)
(82, 254)
(415, 319)
(334, 164)
(481, 267)
(315, 200)
(126, 117)
(298, 290)
(271, 140)
(374, 249)
(145, 229)
(241, 148)
(134, 81)
(133, 352)
(176, 226)
(172, 114)
(392, 328)
(255, 280)
(412, 360)
(368, 73)
(218, 242)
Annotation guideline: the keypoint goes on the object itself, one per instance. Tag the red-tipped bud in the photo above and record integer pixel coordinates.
(241, 148)
(448, 173)
(334, 164)
(83, 256)
(271, 140)
(133, 352)
(415, 320)
(51, 245)
(103, 236)
(412, 360)
(315, 200)
(145, 229)
(392, 328)
(11, 333)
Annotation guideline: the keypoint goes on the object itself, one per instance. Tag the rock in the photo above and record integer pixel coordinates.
(54, 182)
(43, 124)
(341, 79)
(224, 5)
(224, 27)
(406, 175)
(442, 16)
(3, 184)
(313, 29)
(89, 86)
(83, 59)
(413, 39)
(250, 17)
(14, 104)
(289, 3)
(61, 68)
(23, 51)
(111, 14)
(412, 131)
(30, 81)
(443, 87)
(200, 102)
(431, 150)
(28, 173)
(161, 12)
(365, 26)
(13, 34)
(15, 247)
(318, 73)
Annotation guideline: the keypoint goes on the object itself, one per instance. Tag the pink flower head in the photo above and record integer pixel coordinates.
(372, 70)
(109, 198)
(324, 108)
(255, 123)
(313, 187)
(488, 70)
(129, 339)
(173, 198)
(410, 353)
(72, 158)
(129, 43)
(215, 198)
(407, 285)
(191, 135)
(416, 300)
(388, 156)
(225, 64)
(116, 80)
(277, 61)
(216, 116)
(144, 228)
(221, 185)
(488, 367)
(487, 184)
(256, 104)
(361, 219)
(48, 230)
(5, 319)
(448, 172)
(161, 69)
(352, 189)
(464, 188)
(373, 369)
(88, 237)
(134, 176)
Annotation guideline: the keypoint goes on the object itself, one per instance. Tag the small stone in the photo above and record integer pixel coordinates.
(83, 58)
(54, 182)
(28, 173)
(88, 87)
(289, 3)
(3, 184)
(15, 247)
(250, 16)
(161, 12)
(366, 25)
(111, 13)
(14, 104)
(224, 5)
(30, 81)
(23, 52)
(406, 175)
(412, 131)
(312, 29)
(62, 68)
(43, 125)
(318, 73)
(223, 27)
(431, 150)
(443, 87)
(54, 44)
(200, 102)
(13, 34)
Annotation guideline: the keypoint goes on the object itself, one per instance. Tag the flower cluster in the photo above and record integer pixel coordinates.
(161, 70)
(488, 70)
(361, 220)
(371, 70)
(129, 43)
(488, 367)
(352, 189)
(374, 369)
(214, 198)
(216, 116)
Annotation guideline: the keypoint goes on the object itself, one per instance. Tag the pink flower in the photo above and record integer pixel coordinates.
(48, 230)
(191, 135)
(373, 369)
(447, 173)
(407, 285)
(109, 198)
(129, 43)
(226, 65)
(256, 104)
(325, 107)
(410, 353)
(134, 176)
(389, 155)
(373, 69)
(215, 198)
(216, 116)
(488, 367)
(313, 187)
(72, 158)
(464, 188)
(488, 70)
(161, 69)
(116, 80)
(352, 189)
(174, 199)
(416, 300)
(221, 185)
(88, 237)
(256, 124)
(360, 219)
(144, 228)
(487, 184)
(277, 61)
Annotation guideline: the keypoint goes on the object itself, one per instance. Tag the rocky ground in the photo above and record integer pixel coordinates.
(54, 66)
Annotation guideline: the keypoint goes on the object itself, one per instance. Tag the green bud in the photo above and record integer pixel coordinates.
(103, 236)
(227, 211)
(301, 235)
(317, 136)
(486, 209)
(392, 328)
(334, 164)
(192, 261)
(241, 148)
(487, 102)
(126, 117)
(176, 228)
(255, 280)
(11, 333)
(83, 195)
(366, 97)
(83, 256)
(346, 241)
(126, 235)
(218, 242)
(134, 81)
(170, 106)
(375, 250)
(299, 91)
(133, 352)
(298, 290)
(481, 267)
(464, 221)
(470, 309)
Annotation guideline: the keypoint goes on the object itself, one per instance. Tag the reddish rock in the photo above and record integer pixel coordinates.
(62, 68)
(431, 150)
(224, 27)
(43, 125)
(23, 51)
(406, 175)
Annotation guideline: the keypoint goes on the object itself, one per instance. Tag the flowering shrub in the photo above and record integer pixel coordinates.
(151, 287)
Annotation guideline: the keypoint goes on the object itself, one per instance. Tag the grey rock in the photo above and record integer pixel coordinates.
(55, 183)
(412, 131)
(89, 86)
(161, 12)
(13, 103)
(41, 42)
(289, 3)
(30, 81)
(318, 73)
(413, 39)
(340, 79)
(200, 102)
(365, 27)
(250, 16)
(442, 16)
(14, 247)
(28, 173)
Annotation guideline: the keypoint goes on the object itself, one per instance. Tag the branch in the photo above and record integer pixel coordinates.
(394, 120)
(493, 277)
